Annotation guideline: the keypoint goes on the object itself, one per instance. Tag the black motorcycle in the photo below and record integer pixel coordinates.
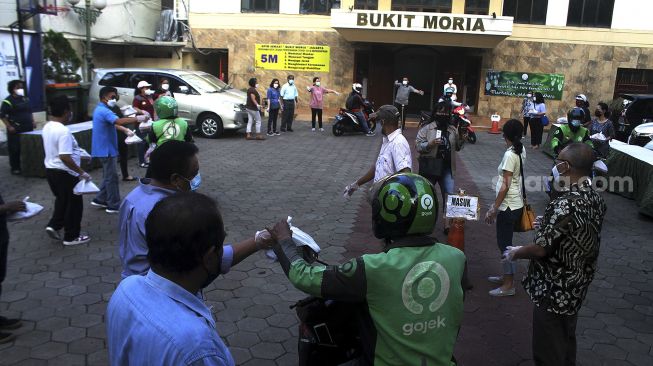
(346, 121)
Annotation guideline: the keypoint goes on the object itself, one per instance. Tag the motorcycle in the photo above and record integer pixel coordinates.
(466, 132)
(346, 121)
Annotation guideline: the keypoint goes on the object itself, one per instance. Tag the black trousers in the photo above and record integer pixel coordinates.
(536, 131)
(13, 147)
(123, 152)
(554, 338)
(288, 114)
(402, 112)
(273, 115)
(316, 112)
(527, 120)
(68, 207)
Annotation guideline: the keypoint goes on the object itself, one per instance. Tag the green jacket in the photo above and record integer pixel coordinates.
(169, 129)
(563, 136)
(412, 293)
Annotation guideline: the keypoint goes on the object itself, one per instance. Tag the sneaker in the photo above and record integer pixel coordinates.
(112, 210)
(312, 129)
(7, 323)
(496, 279)
(82, 239)
(98, 204)
(277, 133)
(6, 337)
(144, 165)
(270, 134)
(52, 233)
(321, 129)
(498, 292)
(370, 134)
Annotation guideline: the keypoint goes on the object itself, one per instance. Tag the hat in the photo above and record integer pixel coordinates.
(581, 97)
(387, 113)
(142, 84)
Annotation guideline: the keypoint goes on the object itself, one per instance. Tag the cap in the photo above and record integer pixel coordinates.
(581, 97)
(386, 113)
(142, 84)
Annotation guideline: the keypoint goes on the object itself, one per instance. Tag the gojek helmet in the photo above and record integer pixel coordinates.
(575, 118)
(166, 107)
(449, 91)
(403, 204)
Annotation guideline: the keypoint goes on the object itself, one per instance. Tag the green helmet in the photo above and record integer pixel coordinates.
(165, 107)
(404, 204)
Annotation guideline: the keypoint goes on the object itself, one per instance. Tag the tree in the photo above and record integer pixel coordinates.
(60, 62)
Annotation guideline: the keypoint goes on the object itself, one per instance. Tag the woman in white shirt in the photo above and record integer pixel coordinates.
(508, 205)
(536, 121)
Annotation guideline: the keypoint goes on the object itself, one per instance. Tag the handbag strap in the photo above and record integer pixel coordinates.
(521, 173)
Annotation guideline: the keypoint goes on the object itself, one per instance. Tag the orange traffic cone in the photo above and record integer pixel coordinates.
(495, 123)
(456, 236)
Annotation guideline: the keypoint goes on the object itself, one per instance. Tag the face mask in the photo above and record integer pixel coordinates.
(450, 81)
(574, 125)
(317, 83)
(20, 92)
(529, 95)
(405, 82)
(211, 276)
(112, 103)
(165, 86)
(195, 182)
(291, 81)
(149, 92)
(276, 85)
(256, 86)
(598, 113)
(556, 173)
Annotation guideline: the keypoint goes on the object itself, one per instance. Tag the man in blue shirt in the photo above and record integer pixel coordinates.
(290, 99)
(160, 318)
(105, 147)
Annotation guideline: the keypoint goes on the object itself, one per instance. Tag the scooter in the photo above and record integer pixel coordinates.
(346, 121)
(466, 132)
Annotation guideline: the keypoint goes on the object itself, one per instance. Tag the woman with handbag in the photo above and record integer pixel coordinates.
(509, 203)
(437, 160)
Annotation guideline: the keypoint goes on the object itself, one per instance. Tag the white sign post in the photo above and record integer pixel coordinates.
(463, 207)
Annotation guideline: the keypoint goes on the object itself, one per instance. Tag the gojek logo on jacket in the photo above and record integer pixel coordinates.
(425, 288)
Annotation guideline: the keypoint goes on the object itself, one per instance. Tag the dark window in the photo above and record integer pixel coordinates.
(590, 13)
(259, 6)
(430, 6)
(366, 4)
(136, 77)
(175, 84)
(526, 11)
(315, 6)
(633, 81)
(116, 80)
(480, 7)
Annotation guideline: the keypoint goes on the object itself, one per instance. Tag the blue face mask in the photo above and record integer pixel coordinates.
(195, 182)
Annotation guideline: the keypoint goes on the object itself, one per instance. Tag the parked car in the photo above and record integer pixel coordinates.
(638, 109)
(642, 135)
(206, 102)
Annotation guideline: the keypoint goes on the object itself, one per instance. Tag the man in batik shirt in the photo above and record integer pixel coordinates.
(563, 257)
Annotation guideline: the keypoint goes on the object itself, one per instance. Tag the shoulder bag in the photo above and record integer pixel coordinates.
(525, 223)
(545, 120)
(431, 167)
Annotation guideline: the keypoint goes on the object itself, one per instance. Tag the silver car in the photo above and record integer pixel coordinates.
(206, 102)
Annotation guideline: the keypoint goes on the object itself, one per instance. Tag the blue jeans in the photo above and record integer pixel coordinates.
(109, 190)
(445, 181)
(505, 228)
(362, 121)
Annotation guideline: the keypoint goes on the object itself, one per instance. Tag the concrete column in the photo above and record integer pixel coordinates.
(496, 6)
(556, 12)
(458, 7)
(385, 4)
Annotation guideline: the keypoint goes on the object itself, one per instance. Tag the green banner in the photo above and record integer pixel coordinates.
(516, 84)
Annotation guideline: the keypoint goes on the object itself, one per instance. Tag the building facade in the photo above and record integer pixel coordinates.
(598, 48)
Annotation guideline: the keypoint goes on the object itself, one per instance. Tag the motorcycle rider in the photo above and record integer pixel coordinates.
(409, 297)
(355, 103)
(394, 156)
(450, 84)
(449, 98)
(573, 131)
(402, 95)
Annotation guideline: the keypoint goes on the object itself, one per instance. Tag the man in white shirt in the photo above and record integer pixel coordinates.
(290, 99)
(450, 84)
(62, 167)
(394, 156)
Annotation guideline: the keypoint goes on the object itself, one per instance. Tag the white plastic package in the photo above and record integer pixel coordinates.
(598, 136)
(32, 209)
(133, 139)
(145, 126)
(301, 238)
(85, 187)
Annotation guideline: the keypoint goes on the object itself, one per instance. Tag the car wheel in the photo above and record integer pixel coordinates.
(210, 125)
(337, 129)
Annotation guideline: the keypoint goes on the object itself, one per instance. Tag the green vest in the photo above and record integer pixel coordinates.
(169, 129)
(415, 300)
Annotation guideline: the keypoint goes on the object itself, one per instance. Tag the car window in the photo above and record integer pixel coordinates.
(116, 79)
(138, 76)
(202, 84)
(176, 83)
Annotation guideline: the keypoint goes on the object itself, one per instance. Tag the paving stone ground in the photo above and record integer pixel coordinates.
(61, 293)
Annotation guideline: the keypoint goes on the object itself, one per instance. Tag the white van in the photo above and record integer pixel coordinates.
(206, 102)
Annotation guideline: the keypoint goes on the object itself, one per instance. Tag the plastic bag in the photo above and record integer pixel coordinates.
(145, 126)
(133, 139)
(301, 238)
(85, 187)
(32, 209)
(598, 136)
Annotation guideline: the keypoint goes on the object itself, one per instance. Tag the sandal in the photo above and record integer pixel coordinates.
(128, 179)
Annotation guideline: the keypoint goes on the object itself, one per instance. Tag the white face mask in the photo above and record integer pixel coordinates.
(317, 83)
(20, 92)
(291, 81)
(111, 103)
(450, 81)
(256, 86)
(275, 85)
(529, 95)
(405, 82)
(165, 86)
(556, 173)
(149, 92)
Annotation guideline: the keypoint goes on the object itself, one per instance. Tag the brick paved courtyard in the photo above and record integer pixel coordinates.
(61, 293)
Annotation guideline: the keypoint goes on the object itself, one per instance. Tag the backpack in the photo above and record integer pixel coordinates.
(349, 104)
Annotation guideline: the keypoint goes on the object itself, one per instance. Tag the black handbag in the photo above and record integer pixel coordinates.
(430, 167)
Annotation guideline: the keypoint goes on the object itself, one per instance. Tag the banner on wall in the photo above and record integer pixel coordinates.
(10, 59)
(516, 84)
(292, 57)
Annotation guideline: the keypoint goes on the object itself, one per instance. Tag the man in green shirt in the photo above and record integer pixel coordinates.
(411, 293)
(169, 126)
(573, 131)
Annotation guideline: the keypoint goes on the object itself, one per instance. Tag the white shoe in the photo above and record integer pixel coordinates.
(52, 233)
(312, 129)
(321, 129)
(82, 239)
(498, 292)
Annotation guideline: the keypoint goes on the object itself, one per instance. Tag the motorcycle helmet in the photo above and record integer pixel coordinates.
(166, 107)
(448, 91)
(403, 204)
(357, 87)
(575, 118)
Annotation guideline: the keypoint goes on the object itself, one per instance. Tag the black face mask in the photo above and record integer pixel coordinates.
(598, 113)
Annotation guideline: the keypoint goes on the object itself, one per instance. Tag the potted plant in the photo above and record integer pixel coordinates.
(60, 62)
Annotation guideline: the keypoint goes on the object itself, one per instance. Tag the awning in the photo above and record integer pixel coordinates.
(399, 27)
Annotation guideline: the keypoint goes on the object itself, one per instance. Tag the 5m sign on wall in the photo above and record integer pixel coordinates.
(292, 57)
